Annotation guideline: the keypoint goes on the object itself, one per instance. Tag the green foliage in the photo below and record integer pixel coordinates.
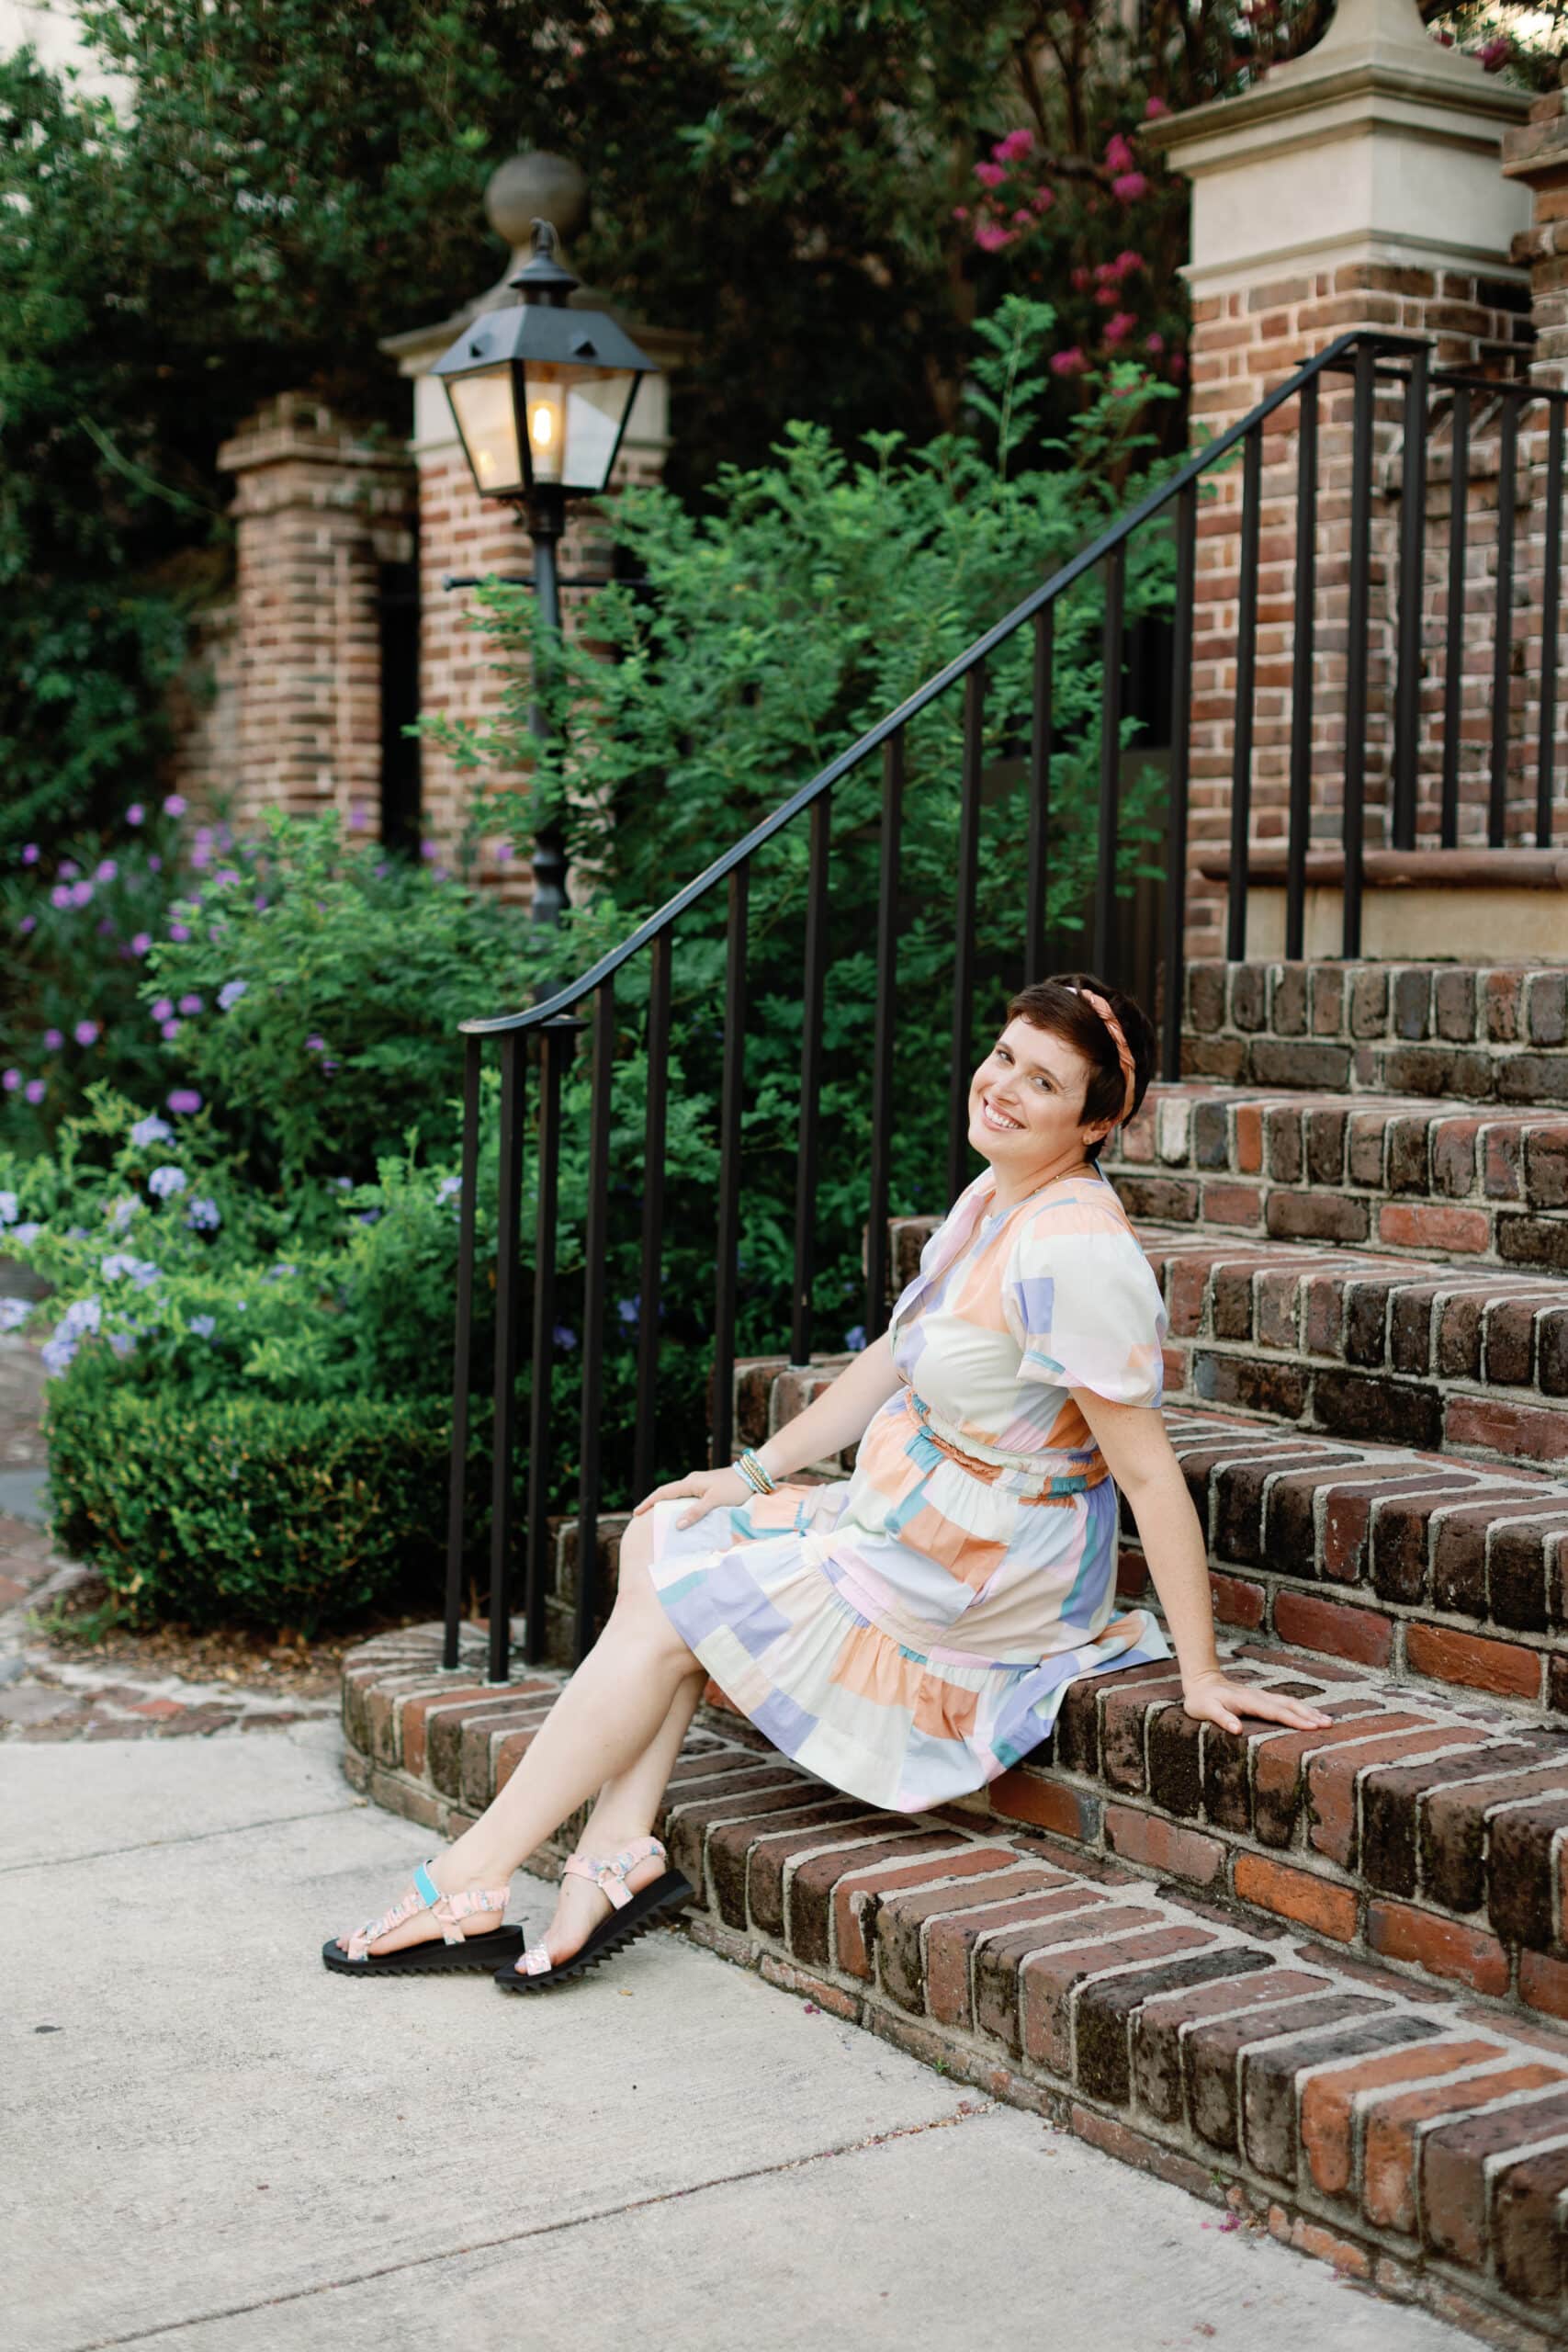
(248, 1509)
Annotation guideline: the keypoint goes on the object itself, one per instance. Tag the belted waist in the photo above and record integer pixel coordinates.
(1016, 1474)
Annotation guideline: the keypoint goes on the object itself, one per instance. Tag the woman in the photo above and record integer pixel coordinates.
(906, 1634)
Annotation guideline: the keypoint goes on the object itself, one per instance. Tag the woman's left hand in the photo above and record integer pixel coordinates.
(1212, 1699)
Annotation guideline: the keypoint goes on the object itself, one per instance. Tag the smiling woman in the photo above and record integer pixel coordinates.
(907, 1632)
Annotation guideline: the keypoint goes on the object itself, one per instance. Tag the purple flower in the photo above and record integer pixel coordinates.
(10, 1208)
(118, 1262)
(27, 923)
(261, 905)
(140, 941)
(357, 818)
(121, 1342)
(446, 1189)
(328, 1064)
(29, 852)
(22, 1237)
(429, 849)
(86, 1032)
(170, 1029)
(13, 1313)
(179, 930)
(54, 1039)
(81, 894)
(34, 1089)
(203, 1214)
(227, 874)
(504, 850)
(201, 854)
(203, 1326)
(154, 864)
(60, 894)
(105, 869)
(854, 1341)
(11, 1080)
(314, 1045)
(135, 813)
(184, 1098)
(166, 1181)
(366, 1217)
(105, 928)
(190, 1004)
(564, 1336)
(229, 995)
(119, 1212)
(57, 1353)
(628, 1309)
(151, 1129)
(82, 1315)
(68, 867)
(175, 805)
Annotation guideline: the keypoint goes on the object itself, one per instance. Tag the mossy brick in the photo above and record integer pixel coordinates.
(465, 1769)
(1124, 1710)
(1332, 1781)
(1297, 1061)
(1384, 1411)
(901, 1921)
(822, 1901)
(433, 1729)
(1278, 1759)
(1206, 995)
(1159, 2024)
(952, 1939)
(690, 1824)
(1392, 1796)
(1288, 999)
(1457, 1829)
(1331, 2094)
(1412, 1007)
(1391, 2130)
(1175, 1783)
(747, 1878)
(1458, 2164)
(1282, 1143)
(1529, 2246)
(1454, 1005)
(1048, 1980)
(1249, 996)
(1522, 1864)
(997, 1957)
(1324, 1134)
(1271, 2085)
(1103, 2022)
(1214, 2054)
(1368, 1011)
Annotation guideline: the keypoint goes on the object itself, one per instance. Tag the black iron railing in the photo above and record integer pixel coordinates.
(1395, 395)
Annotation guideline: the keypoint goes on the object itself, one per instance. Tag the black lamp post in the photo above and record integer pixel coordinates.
(540, 394)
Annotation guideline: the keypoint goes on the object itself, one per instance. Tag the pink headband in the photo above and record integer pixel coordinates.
(1118, 1039)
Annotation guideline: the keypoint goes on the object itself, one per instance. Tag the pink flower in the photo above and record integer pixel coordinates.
(27, 923)
(154, 864)
(1154, 109)
(990, 175)
(29, 852)
(428, 849)
(1118, 154)
(1042, 199)
(174, 806)
(140, 941)
(60, 894)
(1155, 342)
(68, 867)
(1119, 328)
(1017, 142)
(184, 1098)
(86, 1032)
(959, 212)
(179, 930)
(1494, 53)
(170, 1029)
(107, 869)
(1023, 219)
(1082, 278)
(54, 1038)
(135, 813)
(1070, 362)
(990, 236)
(1129, 186)
(11, 1080)
(1127, 261)
(34, 1089)
(505, 850)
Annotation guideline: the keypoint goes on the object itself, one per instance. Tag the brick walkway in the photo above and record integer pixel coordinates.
(54, 1691)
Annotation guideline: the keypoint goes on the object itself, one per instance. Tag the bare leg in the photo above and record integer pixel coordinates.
(616, 1726)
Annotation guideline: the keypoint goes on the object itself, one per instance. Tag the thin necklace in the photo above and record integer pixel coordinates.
(1084, 1166)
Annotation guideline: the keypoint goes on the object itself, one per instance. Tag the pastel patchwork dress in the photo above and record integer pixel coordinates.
(907, 1632)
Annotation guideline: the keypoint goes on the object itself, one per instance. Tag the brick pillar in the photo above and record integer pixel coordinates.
(1535, 156)
(1357, 185)
(317, 510)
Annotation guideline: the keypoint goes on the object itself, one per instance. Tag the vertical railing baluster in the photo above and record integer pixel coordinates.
(1246, 684)
(1454, 632)
(1357, 648)
(1412, 570)
(1302, 670)
(462, 1353)
(1176, 828)
(1503, 634)
(1039, 795)
(508, 1280)
(814, 986)
(964, 964)
(726, 1289)
(645, 1445)
(877, 1252)
(1103, 951)
(595, 1252)
(1552, 584)
(555, 1041)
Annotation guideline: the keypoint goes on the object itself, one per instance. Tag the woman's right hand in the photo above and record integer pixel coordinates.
(713, 1489)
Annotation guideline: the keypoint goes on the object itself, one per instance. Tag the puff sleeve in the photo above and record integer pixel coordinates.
(1082, 1300)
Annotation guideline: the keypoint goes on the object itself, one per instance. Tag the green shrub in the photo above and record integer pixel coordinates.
(251, 1509)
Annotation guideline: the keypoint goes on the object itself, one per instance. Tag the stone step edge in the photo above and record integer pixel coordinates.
(1271, 2132)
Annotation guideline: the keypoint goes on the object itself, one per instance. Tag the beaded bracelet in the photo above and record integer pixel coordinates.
(755, 1476)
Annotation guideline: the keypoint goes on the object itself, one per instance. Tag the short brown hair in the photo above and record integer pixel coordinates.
(1051, 1004)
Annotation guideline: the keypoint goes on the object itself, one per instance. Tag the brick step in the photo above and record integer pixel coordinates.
(1401, 1174)
(1437, 1571)
(1415, 2134)
(1483, 1034)
(1410, 1351)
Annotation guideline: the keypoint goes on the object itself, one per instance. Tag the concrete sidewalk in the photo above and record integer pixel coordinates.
(217, 2145)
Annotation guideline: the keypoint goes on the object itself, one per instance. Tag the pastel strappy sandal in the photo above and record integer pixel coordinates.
(453, 1952)
(630, 1915)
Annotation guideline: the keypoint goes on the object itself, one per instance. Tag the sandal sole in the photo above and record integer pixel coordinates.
(665, 1896)
(429, 1958)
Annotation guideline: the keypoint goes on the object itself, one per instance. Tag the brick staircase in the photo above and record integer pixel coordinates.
(1322, 1975)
